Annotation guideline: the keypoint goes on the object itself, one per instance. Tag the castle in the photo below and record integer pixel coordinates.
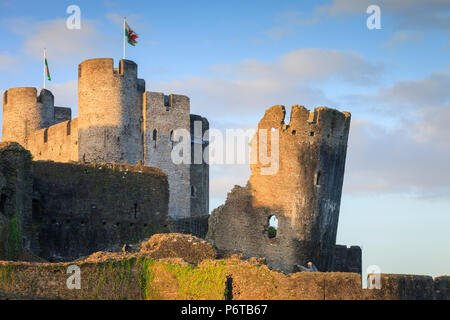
(71, 187)
(118, 122)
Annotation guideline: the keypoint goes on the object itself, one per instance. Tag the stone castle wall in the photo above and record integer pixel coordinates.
(82, 208)
(162, 116)
(110, 109)
(199, 168)
(304, 194)
(117, 122)
(61, 211)
(229, 279)
(16, 188)
(56, 143)
(347, 259)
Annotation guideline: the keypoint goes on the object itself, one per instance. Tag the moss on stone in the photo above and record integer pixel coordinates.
(185, 282)
(14, 238)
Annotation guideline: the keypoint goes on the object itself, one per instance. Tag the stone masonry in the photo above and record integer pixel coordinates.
(304, 194)
(61, 211)
(118, 121)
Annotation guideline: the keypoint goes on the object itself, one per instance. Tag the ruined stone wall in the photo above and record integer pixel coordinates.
(199, 168)
(210, 279)
(162, 116)
(57, 143)
(347, 259)
(196, 225)
(15, 198)
(82, 208)
(24, 111)
(110, 112)
(304, 194)
(62, 114)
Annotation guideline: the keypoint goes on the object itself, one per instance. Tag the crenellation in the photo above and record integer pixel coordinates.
(24, 111)
(62, 114)
(141, 86)
(118, 121)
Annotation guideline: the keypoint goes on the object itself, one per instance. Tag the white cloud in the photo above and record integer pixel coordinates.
(288, 22)
(255, 85)
(432, 90)
(63, 45)
(8, 62)
(412, 158)
(413, 14)
(308, 65)
(402, 37)
(407, 95)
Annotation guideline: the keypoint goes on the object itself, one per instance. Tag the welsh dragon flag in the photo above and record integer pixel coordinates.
(47, 71)
(131, 35)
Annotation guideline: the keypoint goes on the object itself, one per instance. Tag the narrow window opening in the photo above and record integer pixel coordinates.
(154, 134)
(171, 138)
(311, 133)
(193, 192)
(35, 210)
(168, 102)
(318, 178)
(294, 132)
(135, 210)
(272, 227)
(45, 135)
(3, 199)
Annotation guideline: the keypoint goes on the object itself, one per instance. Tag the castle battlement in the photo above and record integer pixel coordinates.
(24, 111)
(321, 123)
(118, 121)
(168, 102)
(104, 67)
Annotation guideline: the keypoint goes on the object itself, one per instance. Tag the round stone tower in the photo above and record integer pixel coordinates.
(25, 112)
(109, 111)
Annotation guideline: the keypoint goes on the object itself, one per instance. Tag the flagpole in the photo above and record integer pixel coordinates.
(124, 30)
(44, 66)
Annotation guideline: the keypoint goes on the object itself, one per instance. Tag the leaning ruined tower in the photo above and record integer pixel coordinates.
(302, 189)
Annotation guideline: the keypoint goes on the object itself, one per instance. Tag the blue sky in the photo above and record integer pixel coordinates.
(237, 58)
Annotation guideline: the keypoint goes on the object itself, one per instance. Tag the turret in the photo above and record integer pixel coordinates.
(305, 193)
(25, 112)
(109, 111)
(163, 114)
